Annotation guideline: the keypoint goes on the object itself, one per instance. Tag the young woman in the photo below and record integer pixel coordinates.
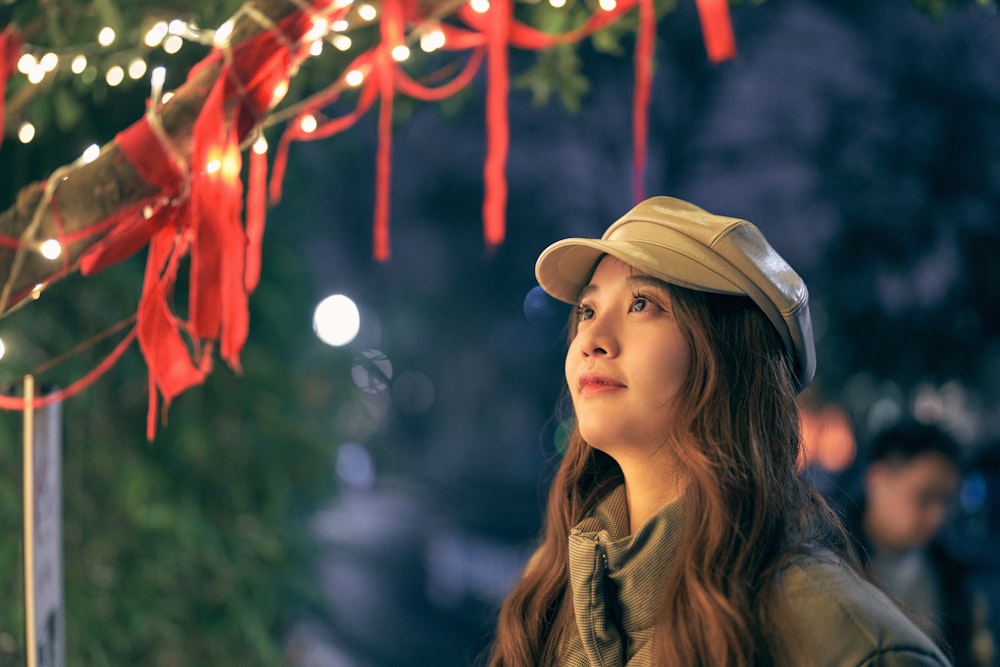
(677, 530)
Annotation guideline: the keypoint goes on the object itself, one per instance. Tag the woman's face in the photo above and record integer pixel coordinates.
(627, 361)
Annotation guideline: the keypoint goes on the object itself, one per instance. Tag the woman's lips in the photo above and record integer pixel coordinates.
(592, 384)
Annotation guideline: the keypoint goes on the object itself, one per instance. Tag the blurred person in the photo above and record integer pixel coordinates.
(677, 530)
(910, 483)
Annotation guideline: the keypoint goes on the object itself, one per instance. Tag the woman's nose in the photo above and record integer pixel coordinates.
(599, 339)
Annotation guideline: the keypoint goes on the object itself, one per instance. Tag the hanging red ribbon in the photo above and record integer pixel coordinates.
(256, 208)
(644, 48)
(717, 29)
(10, 50)
(392, 32)
(501, 14)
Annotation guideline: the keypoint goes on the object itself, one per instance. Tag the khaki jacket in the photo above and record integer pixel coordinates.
(838, 618)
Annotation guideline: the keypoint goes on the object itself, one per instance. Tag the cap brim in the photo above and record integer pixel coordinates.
(565, 267)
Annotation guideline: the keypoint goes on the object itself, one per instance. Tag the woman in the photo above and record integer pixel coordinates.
(677, 530)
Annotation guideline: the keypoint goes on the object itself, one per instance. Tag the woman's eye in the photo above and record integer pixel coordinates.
(639, 304)
(584, 312)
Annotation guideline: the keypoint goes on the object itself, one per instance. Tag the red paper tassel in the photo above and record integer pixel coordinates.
(717, 29)
(497, 122)
(10, 50)
(392, 35)
(644, 48)
(256, 213)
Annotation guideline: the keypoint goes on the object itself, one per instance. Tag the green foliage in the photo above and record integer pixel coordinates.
(192, 549)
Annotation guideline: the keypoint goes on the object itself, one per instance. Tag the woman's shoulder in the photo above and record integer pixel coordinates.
(839, 618)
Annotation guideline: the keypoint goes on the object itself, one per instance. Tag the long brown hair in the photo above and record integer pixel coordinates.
(756, 513)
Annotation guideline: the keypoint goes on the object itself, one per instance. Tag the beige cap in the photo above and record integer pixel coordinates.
(685, 245)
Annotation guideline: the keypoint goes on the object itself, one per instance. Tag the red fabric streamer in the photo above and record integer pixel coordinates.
(10, 50)
(497, 122)
(717, 29)
(171, 369)
(392, 29)
(644, 48)
(218, 298)
(408, 86)
(256, 212)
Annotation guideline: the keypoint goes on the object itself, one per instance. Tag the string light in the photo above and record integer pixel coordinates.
(137, 68)
(320, 27)
(342, 42)
(222, 35)
(155, 34)
(607, 5)
(26, 132)
(213, 166)
(432, 40)
(308, 123)
(51, 249)
(92, 153)
(36, 291)
(26, 64)
(172, 44)
(177, 27)
(340, 26)
(36, 75)
(3, 349)
(49, 62)
(156, 80)
(354, 78)
(78, 64)
(280, 91)
(480, 6)
(558, 4)
(367, 12)
(400, 53)
(260, 146)
(115, 75)
(316, 48)
(106, 37)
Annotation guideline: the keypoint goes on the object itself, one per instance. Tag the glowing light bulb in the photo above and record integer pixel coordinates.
(480, 6)
(115, 75)
(607, 5)
(342, 42)
(137, 68)
(213, 166)
(222, 35)
(25, 133)
(36, 75)
(367, 12)
(3, 349)
(260, 146)
(336, 320)
(78, 64)
(308, 123)
(36, 291)
(49, 62)
(318, 30)
(354, 78)
(177, 27)
(106, 37)
(167, 96)
(558, 4)
(173, 44)
(316, 48)
(340, 26)
(92, 153)
(155, 34)
(432, 40)
(51, 249)
(280, 91)
(26, 64)
(400, 53)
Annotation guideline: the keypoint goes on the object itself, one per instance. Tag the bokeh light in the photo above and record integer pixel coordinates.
(336, 320)
(372, 371)
(355, 466)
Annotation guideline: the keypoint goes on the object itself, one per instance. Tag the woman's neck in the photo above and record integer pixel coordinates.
(651, 483)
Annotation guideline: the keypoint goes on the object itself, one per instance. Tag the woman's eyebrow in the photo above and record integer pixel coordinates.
(586, 291)
(648, 281)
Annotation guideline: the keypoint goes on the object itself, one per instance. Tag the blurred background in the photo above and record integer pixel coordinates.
(368, 503)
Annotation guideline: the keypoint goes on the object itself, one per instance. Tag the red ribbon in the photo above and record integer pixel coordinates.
(256, 209)
(10, 50)
(644, 48)
(717, 29)
(501, 15)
